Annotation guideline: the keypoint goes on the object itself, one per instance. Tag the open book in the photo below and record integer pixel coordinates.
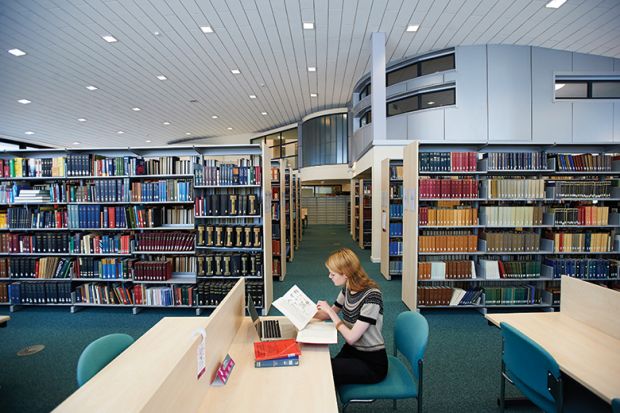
(299, 309)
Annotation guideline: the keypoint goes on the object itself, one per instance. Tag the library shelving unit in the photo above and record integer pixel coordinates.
(391, 218)
(130, 227)
(495, 226)
(289, 210)
(355, 208)
(278, 217)
(365, 213)
(297, 209)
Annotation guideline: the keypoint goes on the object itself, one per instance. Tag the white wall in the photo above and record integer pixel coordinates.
(325, 173)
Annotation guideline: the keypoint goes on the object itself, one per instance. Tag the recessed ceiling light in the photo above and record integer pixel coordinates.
(554, 4)
(91, 88)
(166, 123)
(313, 95)
(264, 113)
(311, 69)
(161, 77)
(413, 27)
(136, 109)
(156, 33)
(29, 132)
(214, 117)
(559, 86)
(76, 143)
(308, 25)
(252, 96)
(109, 38)
(229, 128)
(235, 71)
(148, 141)
(206, 29)
(24, 101)
(188, 133)
(431, 103)
(81, 120)
(17, 52)
(120, 132)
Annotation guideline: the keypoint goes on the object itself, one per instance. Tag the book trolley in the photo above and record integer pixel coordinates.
(495, 226)
(170, 227)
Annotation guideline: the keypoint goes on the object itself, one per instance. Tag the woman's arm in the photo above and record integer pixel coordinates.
(351, 335)
(322, 315)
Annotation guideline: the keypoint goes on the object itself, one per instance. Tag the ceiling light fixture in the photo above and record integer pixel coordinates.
(214, 117)
(229, 128)
(76, 143)
(313, 95)
(311, 69)
(555, 4)
(559, 86)
(413, 27)
(206, 29)
(156, 33)
(166, 123)
(120, 132)
(188, 133)
(162, 77)
(91, 88)
(81, 120)
(235, 71)
(264, 113)
(24, 101)
(17, 52)
(29, 132)
(431, 103)
(148, 141)
(252, 96)
(109, 38)
(136, 109)
(308, 25)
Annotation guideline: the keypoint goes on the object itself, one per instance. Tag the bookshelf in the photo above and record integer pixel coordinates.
(355, 204)
(279, 218)
(495, 226)
(289, 210)
(133, 227)
(365, 213)
(391, 218)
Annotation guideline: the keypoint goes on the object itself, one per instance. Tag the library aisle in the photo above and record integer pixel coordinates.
(461, 366)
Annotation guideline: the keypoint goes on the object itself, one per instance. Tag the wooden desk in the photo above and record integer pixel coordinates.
(308, 387)
(4, 320)
(586, 354)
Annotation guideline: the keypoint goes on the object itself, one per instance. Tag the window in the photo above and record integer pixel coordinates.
(325, 140)
(283, 145)
(425, 100)
(366, 118)
(421, 68)
(587, 88)
(364, 92)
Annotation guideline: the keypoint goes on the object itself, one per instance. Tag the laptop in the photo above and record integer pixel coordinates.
(268, 330)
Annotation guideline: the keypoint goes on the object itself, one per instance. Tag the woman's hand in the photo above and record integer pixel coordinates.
(326, 308)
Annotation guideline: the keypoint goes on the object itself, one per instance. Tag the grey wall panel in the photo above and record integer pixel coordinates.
(616, 65)
(397, 127)
(509, 93)
(468, 120)
(426, 124)
(616, 122)
(424, 81)
(591, 63)
(551, 120)
(396, 89)
(593, 122)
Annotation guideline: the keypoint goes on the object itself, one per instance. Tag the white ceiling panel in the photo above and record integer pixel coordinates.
(263, 39)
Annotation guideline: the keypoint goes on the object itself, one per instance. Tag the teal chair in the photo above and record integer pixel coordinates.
(410, 338)
(615, 405)
(99, 353)
(531, 369)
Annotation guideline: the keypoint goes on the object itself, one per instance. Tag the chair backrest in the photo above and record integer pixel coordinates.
(615, 405)
(528, 362)
(411, 337)
(99, 353)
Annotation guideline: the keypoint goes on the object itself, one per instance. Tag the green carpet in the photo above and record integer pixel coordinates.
(461, 370)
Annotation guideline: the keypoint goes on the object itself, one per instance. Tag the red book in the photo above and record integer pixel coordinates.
(277, 349)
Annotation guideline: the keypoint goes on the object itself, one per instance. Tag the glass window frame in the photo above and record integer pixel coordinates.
(589, 85)
(419, 96)
(419, 64)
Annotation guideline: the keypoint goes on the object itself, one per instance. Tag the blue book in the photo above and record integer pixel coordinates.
(282, 362)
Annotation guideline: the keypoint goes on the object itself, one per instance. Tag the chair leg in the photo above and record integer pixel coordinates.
(420, 384)
(394, 405)
(502, 390)
(344, 407)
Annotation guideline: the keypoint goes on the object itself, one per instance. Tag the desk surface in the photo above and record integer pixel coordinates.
(308, 387)
(586, 354)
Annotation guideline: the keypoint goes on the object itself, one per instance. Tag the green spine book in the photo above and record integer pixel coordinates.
(282, 362)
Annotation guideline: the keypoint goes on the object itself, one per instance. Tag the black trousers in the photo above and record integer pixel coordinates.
(352, 366)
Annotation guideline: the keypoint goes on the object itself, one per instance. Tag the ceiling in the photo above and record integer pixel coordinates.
(264, 40)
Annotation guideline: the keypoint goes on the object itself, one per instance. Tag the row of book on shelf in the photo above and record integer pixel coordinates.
(227, 204)
(484, 296)
(243, 172)
(204, 294)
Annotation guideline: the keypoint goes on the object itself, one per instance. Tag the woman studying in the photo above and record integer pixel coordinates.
(362, 360)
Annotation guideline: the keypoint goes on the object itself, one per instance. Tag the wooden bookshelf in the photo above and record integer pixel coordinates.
(133, 217)
(391, 217)
(289, 211)
(279, 217)
(355, 203)
(504, 222)
(365, 213)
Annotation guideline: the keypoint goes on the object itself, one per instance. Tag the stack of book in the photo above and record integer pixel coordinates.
(277, 353)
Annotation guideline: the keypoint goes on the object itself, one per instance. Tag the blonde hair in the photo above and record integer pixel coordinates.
(345, 262)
